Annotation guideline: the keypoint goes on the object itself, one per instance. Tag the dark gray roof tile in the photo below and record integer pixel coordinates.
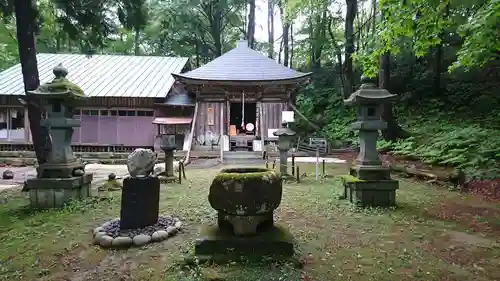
(243, 64)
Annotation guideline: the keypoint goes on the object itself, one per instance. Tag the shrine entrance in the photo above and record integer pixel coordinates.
(246, 111)
(242, 125)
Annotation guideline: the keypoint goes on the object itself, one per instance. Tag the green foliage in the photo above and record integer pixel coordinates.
(324, 107)
(422, 25)
(480, 35)
(471, 148)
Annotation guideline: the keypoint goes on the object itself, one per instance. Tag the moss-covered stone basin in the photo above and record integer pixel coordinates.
(246, 191)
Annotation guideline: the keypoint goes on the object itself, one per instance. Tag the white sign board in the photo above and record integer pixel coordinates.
(287, 116)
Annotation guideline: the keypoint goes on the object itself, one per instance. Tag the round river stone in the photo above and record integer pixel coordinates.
(104, 240)
(98, 229)
(171, 230)
(159, 235)
(122, 241)
(141, 239)
(178, 225)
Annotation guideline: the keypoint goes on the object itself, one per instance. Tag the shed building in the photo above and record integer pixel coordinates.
(124, 93)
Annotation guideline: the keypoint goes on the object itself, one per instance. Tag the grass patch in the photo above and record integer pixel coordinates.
(336, 241)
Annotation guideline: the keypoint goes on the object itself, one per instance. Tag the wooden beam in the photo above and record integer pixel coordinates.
(191, 133)
(303, 117)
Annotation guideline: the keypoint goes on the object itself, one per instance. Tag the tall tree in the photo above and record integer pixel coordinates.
(26, 15)
(251, 24)
(352, 7)
(286, 32)
(133, 15)
(270, 28)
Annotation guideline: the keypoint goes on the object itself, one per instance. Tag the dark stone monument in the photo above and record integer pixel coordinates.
(140, 192)
(63, 176)
(369, 183)
(245, 199)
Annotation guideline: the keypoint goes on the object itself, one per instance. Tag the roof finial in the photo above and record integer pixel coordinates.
(60, 71)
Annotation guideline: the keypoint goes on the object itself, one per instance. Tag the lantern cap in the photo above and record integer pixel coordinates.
(60, 87)
(368, 93)
(284, 131)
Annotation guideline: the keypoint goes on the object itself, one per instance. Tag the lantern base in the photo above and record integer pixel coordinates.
(373, 193)
(55, 192)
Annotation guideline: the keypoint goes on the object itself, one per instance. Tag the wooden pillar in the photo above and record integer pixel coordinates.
(221, 143)
(261, 120)
(9, 123)
(26, 126)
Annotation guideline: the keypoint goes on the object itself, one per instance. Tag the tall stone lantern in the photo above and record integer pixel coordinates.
(169, 143)
(285, 137)
(63, 176)
(369, 183)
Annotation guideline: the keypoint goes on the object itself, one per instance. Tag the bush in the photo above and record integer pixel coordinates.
(474, 149)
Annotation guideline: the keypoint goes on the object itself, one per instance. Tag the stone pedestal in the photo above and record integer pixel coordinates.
(283, 162)
(276, 241)
(169, 162)
(140, 202)
(370, 187)
(247, 225)
(47, 193)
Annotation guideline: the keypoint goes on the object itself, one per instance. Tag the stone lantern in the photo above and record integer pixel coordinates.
(285, 137)
(62, 177)
(169, 143)
(369, 183)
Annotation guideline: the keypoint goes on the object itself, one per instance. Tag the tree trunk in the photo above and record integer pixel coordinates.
(291, 46)
(349, 46)
(338, 52)
(438, 69)
(251, 25)
(197, 44)
(286, 35)
(26, 26)
(439, 58)
(393, 130)
(281, 49)
(270, 28)
(137, 41)
(374, 17)
(217, 30)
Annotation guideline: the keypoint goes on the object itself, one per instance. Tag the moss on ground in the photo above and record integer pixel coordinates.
(421, 239)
